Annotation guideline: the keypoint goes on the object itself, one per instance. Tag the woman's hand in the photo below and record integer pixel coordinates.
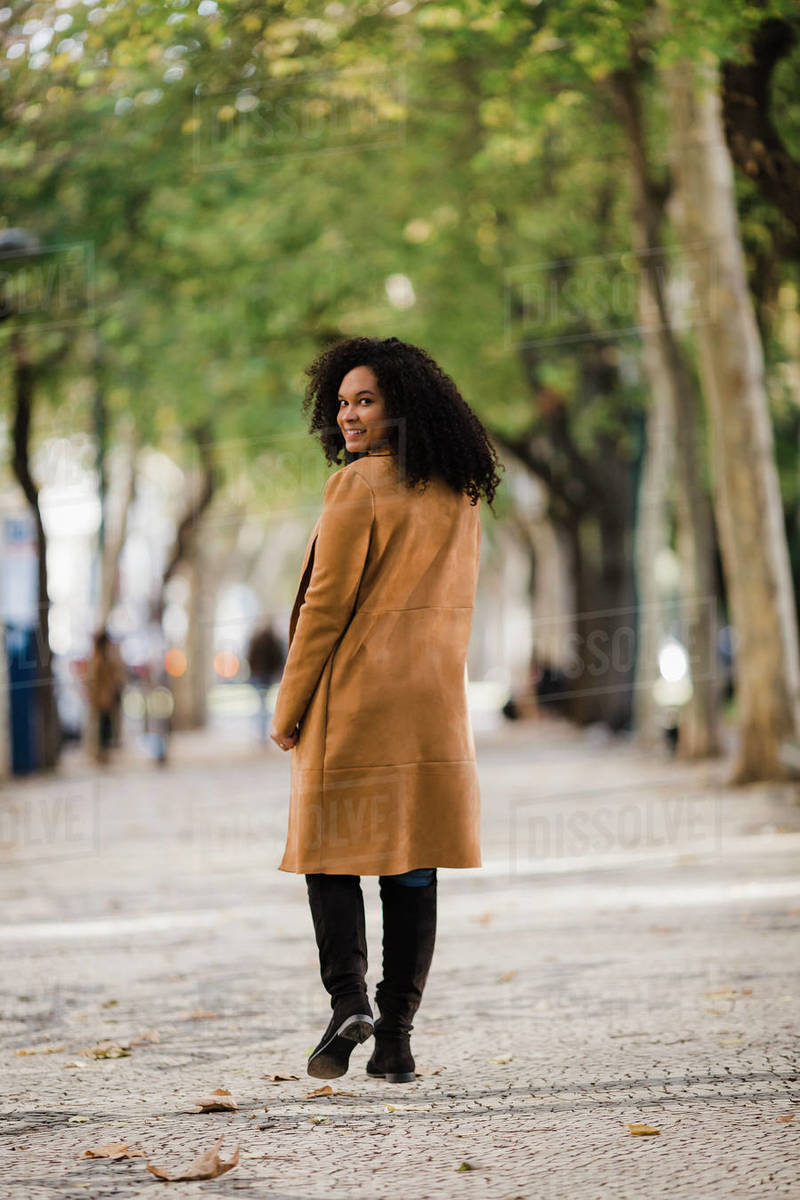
(285, 740)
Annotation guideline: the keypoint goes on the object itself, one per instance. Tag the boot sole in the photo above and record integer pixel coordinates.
(393, 1077)
(332, 1060)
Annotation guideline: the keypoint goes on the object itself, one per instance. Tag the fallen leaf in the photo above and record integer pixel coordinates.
(465, 1166)
(220, 1100)
(113, 1150)
(198, 1014)
(326, 1090)
(106, 1050)
(73, 1064)
(485, 918)
(508, 975)
(109, 1003)
(664, 929)
(642, 1130)
(389, 1108)
(505, 1058)
(344, 1094)
(318, 1120)
(43, 1050)
(788, 1117)
(280, 1078)
(149, 1035)
(207, 1165)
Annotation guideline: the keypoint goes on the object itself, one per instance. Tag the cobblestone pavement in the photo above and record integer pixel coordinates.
(628, 954)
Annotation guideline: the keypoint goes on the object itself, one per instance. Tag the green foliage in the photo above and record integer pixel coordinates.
(251, 176)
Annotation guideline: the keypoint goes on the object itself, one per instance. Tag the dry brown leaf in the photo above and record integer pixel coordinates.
(207, 1165)
(351, 1094)
(642, 1130)
(43, 1050)
(198, 1014)
(113, 1150)
(149, 1035)
(220, 1100)
(508, 976)
(485, 918)
(280, 1078)
(788, 1117)
(327, 1090)
(106, 1050)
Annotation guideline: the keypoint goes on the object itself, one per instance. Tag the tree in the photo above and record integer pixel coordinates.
(746, 492)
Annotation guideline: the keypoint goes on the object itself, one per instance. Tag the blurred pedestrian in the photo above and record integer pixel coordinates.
(373, 698)
(105, 680)
(265, 656)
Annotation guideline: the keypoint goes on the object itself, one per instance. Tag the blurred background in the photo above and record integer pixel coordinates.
(589, 214)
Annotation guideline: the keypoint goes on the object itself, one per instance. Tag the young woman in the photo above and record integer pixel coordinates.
(373, 695)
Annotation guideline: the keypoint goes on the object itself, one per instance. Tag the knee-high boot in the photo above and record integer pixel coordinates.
(337, 910)
(409, 935)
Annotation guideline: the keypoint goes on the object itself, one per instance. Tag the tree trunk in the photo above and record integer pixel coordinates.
(675, 403)
(189, 690)
(114, 533)
(753, 141)
(48, 730)
(601, 680)
(652, 533)
(747, 498)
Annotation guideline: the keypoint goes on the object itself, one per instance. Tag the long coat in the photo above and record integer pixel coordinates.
(383, 775)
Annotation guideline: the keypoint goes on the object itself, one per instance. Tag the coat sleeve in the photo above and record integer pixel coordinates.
(342, 544)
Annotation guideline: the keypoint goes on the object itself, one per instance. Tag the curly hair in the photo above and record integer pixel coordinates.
(429, 421)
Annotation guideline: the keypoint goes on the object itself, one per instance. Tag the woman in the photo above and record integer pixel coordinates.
(105, 680)
(373, 695)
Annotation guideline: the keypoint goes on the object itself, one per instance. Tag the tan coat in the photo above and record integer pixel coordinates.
(383, 776)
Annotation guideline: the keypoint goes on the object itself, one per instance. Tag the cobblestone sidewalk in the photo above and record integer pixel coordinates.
(628, 955)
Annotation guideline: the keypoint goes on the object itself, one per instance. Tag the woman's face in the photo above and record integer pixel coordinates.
(362, 412)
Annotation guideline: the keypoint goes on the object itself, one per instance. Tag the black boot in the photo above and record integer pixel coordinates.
(337, 909)
(409, 934)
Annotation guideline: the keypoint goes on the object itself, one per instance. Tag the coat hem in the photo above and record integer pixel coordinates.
(389, 869)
